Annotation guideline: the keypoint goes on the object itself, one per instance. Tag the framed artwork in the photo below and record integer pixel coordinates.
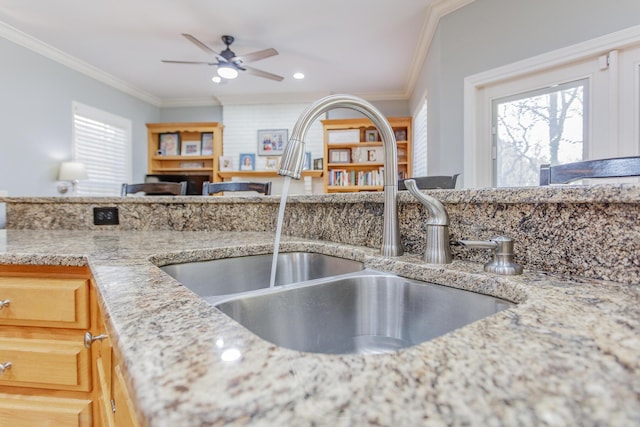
(371, 135)
(271, 142)
(226, 163)
(307, 161)
(272, 163)
(206, 141)
(339, 155)
(247, 162)
(169, 144)
(317, 164)
(190, 148)
(401, 134)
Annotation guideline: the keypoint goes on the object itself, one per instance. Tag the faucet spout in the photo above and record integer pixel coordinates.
(292, 160)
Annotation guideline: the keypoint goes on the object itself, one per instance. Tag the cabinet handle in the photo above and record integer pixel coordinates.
(4, 303)
(4, 367)
(90, 339)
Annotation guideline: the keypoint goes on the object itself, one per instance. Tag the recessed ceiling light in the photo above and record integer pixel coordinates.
(298, 76)
(216, 79)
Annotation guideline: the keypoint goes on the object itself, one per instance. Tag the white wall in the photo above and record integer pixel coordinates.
(490, 33)
(36, 119)
(241, 125)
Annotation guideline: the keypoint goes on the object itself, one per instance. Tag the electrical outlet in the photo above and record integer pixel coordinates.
(105, 216)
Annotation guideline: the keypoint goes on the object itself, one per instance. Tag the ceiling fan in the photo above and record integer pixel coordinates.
(228, 63)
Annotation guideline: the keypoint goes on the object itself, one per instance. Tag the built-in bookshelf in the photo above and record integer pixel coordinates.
(185, 148)
(354, 157)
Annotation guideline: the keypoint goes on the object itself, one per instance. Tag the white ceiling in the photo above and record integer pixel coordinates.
(371, 48)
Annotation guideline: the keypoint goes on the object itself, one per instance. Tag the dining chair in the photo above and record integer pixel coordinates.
(161, 188)
(432, 182)
(209, 188)
(618, 167)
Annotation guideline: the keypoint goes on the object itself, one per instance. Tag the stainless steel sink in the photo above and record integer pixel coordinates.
(242, 274)
(368, 312)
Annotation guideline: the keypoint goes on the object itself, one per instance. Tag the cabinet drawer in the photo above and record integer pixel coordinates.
(40, 363)
(61, 303)
(29, 411)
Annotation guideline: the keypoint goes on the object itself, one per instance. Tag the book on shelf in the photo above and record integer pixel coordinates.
(345, 178)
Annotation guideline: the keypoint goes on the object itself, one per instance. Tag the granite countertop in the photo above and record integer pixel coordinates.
(567, 354)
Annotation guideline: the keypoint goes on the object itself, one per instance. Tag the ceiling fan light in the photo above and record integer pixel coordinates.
(227, 72)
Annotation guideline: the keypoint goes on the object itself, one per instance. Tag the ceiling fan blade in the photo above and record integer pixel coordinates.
(201, 45)
(256, 56)
(189, 62)
(264, 74)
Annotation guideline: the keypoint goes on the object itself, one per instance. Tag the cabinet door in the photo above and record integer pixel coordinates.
(29, 411)
(125, 413)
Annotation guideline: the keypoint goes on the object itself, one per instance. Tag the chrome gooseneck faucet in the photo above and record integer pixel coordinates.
(293, 158)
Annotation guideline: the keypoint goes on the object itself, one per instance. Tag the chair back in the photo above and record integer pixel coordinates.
(432, 182)
(156, 188)
(209, 188)
(601, 168)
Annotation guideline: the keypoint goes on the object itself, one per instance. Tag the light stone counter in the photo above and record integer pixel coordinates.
(568, 354)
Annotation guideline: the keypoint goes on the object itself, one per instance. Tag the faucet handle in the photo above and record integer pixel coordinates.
(502, 262)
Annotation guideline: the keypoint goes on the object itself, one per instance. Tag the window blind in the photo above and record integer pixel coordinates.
(419, 166)
(102, 141)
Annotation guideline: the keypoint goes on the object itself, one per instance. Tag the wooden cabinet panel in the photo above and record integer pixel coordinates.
(29, 411)
(125, 413)
(61, 303)
(62, 365)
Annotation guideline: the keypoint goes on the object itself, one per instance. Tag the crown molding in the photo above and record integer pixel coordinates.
(20, 38)
(435, 12)
(207, 101)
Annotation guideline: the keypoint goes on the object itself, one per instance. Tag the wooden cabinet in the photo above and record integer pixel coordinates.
(353, 154)
(45, 378)
(177, 148)
(48, 376)
(114, 405)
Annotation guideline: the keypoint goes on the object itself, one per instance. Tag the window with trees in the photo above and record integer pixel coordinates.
(533, 128)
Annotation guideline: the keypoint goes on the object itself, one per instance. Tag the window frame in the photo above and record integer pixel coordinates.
(596, 59)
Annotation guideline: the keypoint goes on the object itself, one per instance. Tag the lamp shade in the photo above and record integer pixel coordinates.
(71, 171)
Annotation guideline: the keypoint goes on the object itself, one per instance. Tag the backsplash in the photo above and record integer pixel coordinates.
(576, 230)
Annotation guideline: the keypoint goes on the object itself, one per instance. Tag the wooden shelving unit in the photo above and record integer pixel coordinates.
(353, 154)
(184, 164)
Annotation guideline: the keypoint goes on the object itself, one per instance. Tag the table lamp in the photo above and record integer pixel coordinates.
(70, 173)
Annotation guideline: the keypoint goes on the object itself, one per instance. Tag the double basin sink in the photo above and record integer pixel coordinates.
(325, 304)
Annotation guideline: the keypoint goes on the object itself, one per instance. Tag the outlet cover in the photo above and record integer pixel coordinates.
(105, 216)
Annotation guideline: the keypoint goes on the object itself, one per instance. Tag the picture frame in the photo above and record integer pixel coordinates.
(339, 155)
(190, 148)
(307, 161)
(400, 134)
(206, 141)
(272, 163)
(317, 164)
(247, 162)
(271, 142)
(169, 143)
(226, 163)
(371, 135)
